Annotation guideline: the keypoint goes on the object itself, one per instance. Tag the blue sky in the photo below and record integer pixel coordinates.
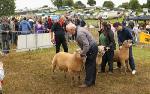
(20, 4)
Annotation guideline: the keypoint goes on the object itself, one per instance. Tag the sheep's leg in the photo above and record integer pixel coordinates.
(65, 76)
(71, 77)
(53, 70)
(124, 66)
(79, 77)
(127, 65)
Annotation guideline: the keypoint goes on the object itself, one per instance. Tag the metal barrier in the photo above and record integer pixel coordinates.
(24, 41)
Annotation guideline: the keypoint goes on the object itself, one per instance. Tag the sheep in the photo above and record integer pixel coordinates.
(101, 52)
(122, 55)
(71, 63)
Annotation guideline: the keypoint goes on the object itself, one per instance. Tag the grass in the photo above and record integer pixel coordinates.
(30, 73)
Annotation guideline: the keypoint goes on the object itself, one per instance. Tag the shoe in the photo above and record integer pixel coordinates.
(83, 86)
(133, 72)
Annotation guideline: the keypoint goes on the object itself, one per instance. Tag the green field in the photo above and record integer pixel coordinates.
(30, 73)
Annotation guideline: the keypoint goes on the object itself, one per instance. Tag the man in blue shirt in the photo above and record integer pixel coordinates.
(25, 27)
(124, 33)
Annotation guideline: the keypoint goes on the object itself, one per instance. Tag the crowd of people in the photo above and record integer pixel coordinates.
(10, 28)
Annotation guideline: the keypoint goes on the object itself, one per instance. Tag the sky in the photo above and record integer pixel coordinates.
(21, 4)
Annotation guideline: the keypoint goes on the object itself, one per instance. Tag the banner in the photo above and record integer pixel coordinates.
(144, 38)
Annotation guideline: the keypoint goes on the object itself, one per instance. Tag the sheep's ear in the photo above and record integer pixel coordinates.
(130, 40)
(78, 50)
(125, 41)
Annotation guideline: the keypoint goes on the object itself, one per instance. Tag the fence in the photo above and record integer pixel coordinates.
(24, 41)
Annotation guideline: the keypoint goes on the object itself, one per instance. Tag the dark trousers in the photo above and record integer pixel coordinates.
(60, 39)
(107, 57)
(90, 65)
(5, 43)
(14, 38)
(131, 60)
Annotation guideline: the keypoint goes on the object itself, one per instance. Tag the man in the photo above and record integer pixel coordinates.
(5, 36)
(25, 27)
(89, 52)
(125, 34)
(13, 31)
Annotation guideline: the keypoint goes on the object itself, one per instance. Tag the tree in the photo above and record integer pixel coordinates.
(7, 7)
(134, 4)
(144, 6)
(108, 4)
(148, 3)
(91, 2)
(68, 3)
(125, 5)
(57, 3)
(79, 4)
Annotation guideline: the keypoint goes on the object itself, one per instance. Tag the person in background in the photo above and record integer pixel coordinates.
(50, 23)
(46, 25)
(148, 27)
(25, 27)
(124, 22)
(39, 28)
(5, 36)
(89, 50)
(13, 31)
(107, 39)
(131, 26)
(0, 33)
(58, 35)
(124, 33)
(31, 22)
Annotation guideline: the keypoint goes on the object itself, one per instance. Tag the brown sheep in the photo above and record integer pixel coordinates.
(71, 63)
(122, 55)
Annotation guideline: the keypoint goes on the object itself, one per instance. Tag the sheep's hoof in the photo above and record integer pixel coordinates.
(53, 77)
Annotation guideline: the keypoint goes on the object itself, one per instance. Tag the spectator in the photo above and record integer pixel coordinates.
(31, 22)
(25, 27)
(124, 22)
(46, 25)
(0, 33)
(5, 36)
(148, 27)
(13, 31)
(50, 23)
(39, 28)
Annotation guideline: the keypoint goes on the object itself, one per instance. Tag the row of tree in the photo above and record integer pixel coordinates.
(133, 4)
(7, 7)
(78, 4)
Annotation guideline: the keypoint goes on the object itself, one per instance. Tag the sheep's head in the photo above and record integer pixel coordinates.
(127, 43)
(77, 53)
(101, 50)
